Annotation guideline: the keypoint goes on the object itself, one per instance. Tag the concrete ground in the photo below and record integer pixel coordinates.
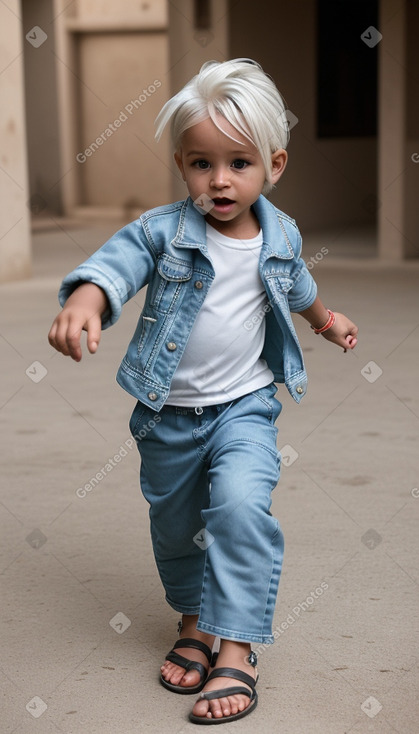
(84, 624)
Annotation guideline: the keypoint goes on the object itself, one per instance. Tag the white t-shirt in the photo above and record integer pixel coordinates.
(221, 360)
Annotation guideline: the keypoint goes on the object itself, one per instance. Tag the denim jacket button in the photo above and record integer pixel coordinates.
(299, 389)
(171, 346)
(152, 395)
(198, 284)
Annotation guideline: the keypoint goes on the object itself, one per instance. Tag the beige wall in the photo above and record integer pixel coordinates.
(112, 80)
(15, 252)
(328, 183)
(127, 74)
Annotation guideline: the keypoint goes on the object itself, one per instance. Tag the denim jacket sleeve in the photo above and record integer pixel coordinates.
(303, 288)
(121, 267)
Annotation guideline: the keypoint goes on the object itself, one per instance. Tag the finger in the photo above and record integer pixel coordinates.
(51, 334)
(73, 340)
(94, 329)
(60, 336)
(351, 341)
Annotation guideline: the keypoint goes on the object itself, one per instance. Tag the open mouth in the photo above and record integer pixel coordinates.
(222, 201)
(223, 205)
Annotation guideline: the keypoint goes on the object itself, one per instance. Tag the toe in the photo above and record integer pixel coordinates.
(242, 703)
(171, 673)
(220, 707)
(191, 678)
(177, 676)
(201, 708)
(234, 706)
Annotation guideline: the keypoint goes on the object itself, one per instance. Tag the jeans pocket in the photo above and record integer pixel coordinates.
(136, 418)
(266, 395)
(277, 407)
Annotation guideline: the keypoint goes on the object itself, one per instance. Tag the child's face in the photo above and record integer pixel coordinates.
(230, 173)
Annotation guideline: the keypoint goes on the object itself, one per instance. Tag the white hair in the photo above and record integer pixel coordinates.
(241, 92)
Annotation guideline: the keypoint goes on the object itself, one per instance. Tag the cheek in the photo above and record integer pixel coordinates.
(195, 179)
(255, 180)
(194, 186)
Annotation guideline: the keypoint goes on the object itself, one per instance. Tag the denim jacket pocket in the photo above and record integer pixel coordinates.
(147, 327)
(167, 283)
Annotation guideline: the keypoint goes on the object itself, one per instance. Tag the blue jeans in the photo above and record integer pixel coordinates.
(208, 474)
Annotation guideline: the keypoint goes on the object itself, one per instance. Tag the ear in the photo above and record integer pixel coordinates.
(279, 161)
(178, 158)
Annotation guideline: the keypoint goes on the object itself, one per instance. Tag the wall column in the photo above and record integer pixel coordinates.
(392, 158)
(15, 241)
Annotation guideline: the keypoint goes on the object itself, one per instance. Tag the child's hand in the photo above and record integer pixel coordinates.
(343, 332)
(82, 310)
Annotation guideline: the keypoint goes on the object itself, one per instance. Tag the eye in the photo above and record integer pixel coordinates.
(239, 164)
(201, 164)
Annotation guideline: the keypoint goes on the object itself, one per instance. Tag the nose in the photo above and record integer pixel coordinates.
(220, 177)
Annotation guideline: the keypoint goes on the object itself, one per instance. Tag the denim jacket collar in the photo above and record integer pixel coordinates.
(191, 230)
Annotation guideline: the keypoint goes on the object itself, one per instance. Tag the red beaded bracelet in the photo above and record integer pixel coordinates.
(331, 320)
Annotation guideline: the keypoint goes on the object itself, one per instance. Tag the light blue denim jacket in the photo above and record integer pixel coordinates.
(166, 249)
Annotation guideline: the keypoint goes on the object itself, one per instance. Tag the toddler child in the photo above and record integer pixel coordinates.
(224, 272)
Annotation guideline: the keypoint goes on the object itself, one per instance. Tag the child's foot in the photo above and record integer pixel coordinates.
(232, 655)
(175, 674)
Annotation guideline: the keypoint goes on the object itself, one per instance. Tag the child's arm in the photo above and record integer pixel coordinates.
(82, 310)
(343, 332)
(94, 293)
